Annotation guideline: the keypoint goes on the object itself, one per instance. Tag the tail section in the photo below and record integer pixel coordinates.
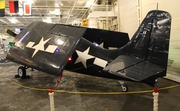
(144, 57)
(151, 40)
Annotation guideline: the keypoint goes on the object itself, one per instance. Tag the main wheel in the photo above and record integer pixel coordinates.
(22, 72)
(124, 88)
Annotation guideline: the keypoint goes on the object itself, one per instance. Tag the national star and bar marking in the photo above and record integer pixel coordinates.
(84, 56)
(40, 46)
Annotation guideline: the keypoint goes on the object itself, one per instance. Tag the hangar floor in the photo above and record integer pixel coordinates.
(16, 95)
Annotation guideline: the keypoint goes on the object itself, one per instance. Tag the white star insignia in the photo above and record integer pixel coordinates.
(101, 45)
(83, 56)
(39, 46)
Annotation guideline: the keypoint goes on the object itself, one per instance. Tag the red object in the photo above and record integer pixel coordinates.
(69, 59)
(13, 7)
(27, 9)
(61, 76)
(58, 81)
(50, 90)
(155, 89)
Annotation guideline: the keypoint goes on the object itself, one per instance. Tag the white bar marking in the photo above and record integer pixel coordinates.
(30, 44)
(100, 62)
(51, 48)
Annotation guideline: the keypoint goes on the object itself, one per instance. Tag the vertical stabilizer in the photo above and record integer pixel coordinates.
(151, 40)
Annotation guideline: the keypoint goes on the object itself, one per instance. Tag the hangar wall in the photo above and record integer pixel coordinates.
(133, 12)
(128, 19)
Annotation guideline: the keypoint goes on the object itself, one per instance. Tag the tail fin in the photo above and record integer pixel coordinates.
(151, 40)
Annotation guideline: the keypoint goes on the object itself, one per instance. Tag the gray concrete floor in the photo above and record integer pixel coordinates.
(17, 98)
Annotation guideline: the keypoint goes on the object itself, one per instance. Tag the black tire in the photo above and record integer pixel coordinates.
(124, 88)
(22, 72)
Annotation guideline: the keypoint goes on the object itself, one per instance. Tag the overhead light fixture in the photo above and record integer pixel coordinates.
(57, 4)
(13, 20)
(47, 20)
(89, 3)
(32, 1)
(60, 3)
(55, 12)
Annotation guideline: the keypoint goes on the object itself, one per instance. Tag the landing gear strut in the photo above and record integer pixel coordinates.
(123, 87)
(22, 72)
(59, 80)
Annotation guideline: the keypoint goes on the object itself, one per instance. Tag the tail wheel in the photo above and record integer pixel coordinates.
(124, 88)
(22, 72)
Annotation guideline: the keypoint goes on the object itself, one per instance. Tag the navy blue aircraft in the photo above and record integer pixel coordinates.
(52, 48)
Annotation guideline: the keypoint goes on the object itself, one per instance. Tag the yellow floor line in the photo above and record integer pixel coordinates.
(97, 93)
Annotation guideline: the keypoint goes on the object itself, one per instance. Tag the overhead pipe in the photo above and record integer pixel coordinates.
(88, 9)
(71, 12)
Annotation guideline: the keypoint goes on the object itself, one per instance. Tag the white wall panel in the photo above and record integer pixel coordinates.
(128, 20)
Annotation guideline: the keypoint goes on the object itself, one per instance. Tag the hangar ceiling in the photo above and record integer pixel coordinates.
(53, 11)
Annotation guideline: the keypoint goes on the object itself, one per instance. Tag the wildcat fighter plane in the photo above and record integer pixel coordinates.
(51, 48)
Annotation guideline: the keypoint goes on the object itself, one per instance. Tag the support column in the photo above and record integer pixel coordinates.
(51, 97)
(155, 98)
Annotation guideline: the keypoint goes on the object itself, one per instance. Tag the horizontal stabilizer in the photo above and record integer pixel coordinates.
(136, 70)
(122, 62)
